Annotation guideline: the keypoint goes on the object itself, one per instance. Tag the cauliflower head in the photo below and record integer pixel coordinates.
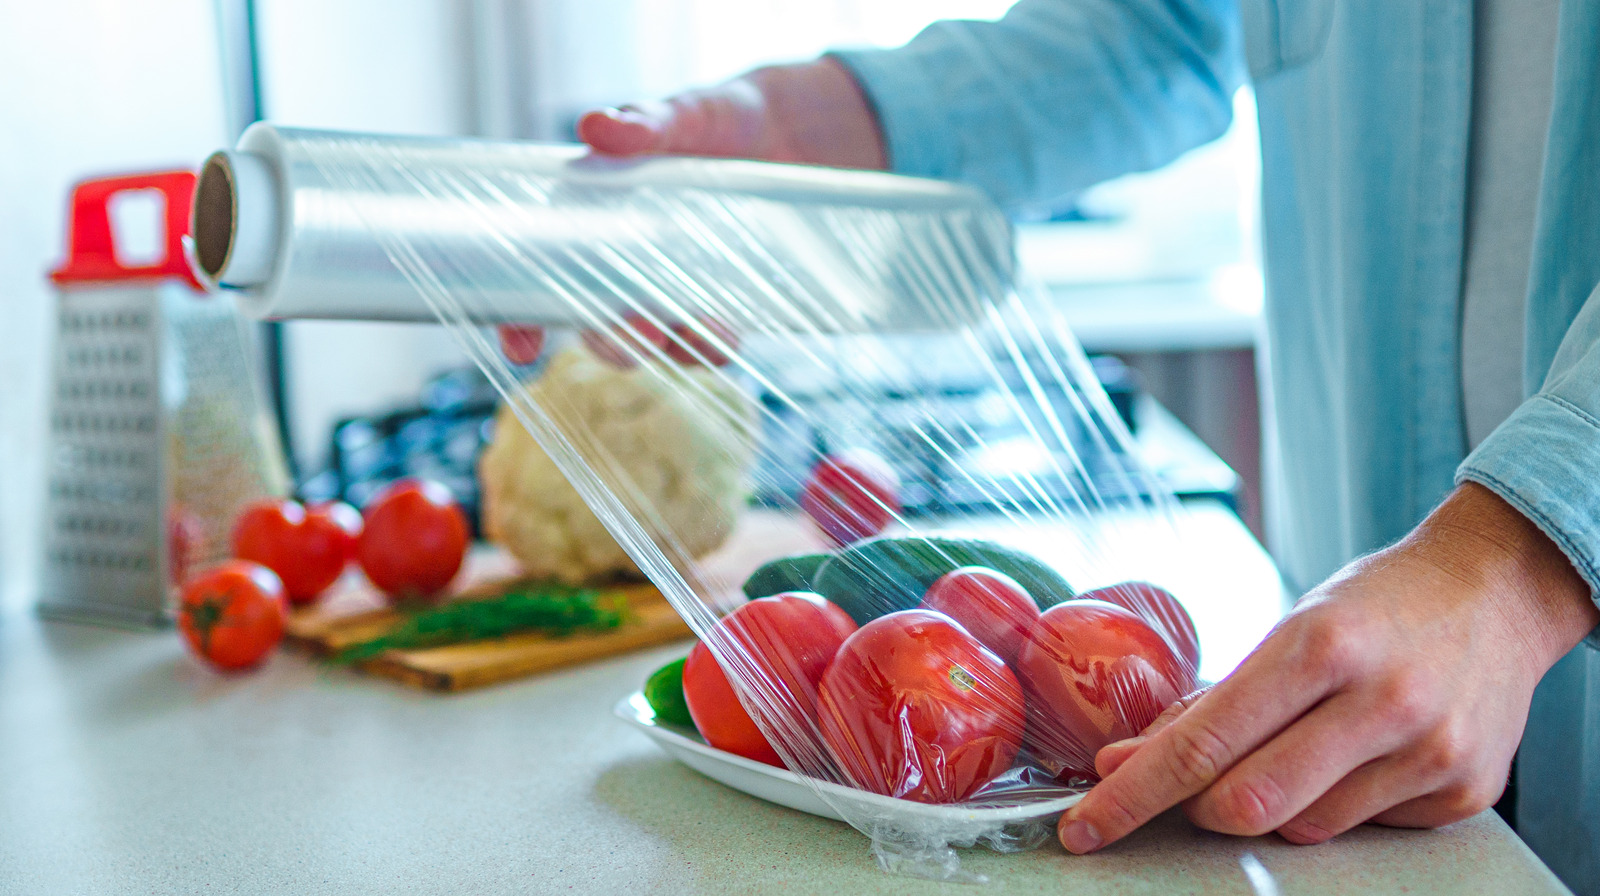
(674, 443)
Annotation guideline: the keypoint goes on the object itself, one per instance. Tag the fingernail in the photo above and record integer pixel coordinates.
(633, 116)
(1080, 837)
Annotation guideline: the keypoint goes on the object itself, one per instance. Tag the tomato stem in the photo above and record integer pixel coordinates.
(206, 616)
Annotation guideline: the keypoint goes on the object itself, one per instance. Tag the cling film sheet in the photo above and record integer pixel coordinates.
(945, 626)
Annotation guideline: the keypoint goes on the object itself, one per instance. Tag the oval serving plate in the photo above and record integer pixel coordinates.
(822, 798)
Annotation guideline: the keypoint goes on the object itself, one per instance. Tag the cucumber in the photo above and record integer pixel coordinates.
(882, 575)
(784, 574)
(664, 692)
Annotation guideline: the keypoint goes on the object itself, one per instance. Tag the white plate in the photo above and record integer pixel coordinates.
(781, 786)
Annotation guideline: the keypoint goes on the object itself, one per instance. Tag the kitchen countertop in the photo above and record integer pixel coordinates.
(126, 767)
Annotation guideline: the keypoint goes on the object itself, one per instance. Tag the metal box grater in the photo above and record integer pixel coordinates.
(158, 434)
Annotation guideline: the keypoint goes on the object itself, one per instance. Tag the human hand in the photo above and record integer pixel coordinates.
(705, 341)
(1396, 692)
(811, 113)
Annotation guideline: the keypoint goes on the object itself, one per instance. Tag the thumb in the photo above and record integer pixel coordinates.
(626, 131)
(1112, 756)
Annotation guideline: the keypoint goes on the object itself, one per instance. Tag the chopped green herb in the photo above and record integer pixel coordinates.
(552, 609)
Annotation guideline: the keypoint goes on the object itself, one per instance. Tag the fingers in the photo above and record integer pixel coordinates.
(812, 113)
(1193, 751)
(622, 132)
(727, 120)
(1445, 806)
(701, 341)
(1112, 756)
(1395, 792)
(1363, 793)
(1274, 784)
(521, 345)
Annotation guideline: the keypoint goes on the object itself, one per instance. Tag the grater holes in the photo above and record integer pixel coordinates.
(106, 459)
(103, 492)
(100, 389)
(115, 320)
(98, 526)
(101, 561)
(103, 424)
(104, 529)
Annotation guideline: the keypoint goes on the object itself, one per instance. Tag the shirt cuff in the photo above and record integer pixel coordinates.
(1544, 460)
(915, 122)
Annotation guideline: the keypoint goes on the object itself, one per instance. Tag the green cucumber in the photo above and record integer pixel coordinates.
(784, 574)
(882, 575)
(663, 690)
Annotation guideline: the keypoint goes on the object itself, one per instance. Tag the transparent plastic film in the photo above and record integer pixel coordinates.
(878, 480)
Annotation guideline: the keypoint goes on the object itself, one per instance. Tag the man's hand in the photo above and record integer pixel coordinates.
(812, 113)
(1396, 692)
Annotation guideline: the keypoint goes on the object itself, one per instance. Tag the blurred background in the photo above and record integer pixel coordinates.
(1159, 269)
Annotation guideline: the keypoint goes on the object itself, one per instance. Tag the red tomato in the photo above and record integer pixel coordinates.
(232, 614)
(307, 548)
(1094, 673)
(990, 605)
(627, 343)
(851, 496)
(791, 638)
(521, 345)
(1158, 607)
(914, 707)
(414, 539)
(717, 713)
(687, 346)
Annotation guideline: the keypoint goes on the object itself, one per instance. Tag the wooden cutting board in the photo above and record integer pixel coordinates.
(354, 612)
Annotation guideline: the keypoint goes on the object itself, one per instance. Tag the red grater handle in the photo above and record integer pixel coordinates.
(90, 255)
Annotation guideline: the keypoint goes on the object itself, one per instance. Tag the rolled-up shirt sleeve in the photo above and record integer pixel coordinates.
(1056, 95)
(1545, 458)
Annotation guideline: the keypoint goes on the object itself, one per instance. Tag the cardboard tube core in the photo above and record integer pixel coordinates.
(236, 218)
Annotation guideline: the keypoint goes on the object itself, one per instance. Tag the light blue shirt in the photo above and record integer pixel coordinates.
(1365, 109)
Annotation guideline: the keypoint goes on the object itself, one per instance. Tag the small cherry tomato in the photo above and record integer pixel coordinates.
(914, 707)
(414, 539)
(628, 343)
(990, 605)
(789, 638)
(308, 548)
(689, 347)
(1158, 607)
(232, 614)
(1095, 673)
(851, 496)
(521, 345)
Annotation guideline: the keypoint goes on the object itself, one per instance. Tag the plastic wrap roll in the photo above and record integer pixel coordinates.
(284, 224)
(960, 594)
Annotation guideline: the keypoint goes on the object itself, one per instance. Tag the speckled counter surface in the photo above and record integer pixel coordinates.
(127, 768)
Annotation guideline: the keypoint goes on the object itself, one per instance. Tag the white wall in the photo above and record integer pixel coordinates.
(594, 52)
(362, 65)
(90, 87)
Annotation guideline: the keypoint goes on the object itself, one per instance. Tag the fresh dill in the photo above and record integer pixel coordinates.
(549, 608)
